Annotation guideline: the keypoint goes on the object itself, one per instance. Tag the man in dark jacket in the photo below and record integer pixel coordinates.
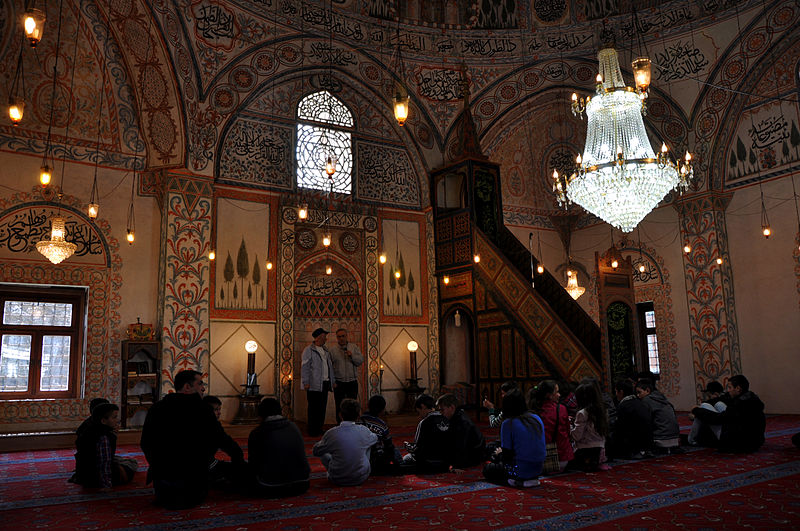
(466, 442)
(743, 421)
(666, 431)
(277, 455)
(179, 439)
(632, 433)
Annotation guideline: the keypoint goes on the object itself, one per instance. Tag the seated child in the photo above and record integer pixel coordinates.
(544, 401)
(522, 450)
(465, 441)
(631, 436)
(429, 451)
(384, 457)
(344, 449)
(225, 473)
(95, 463)
(716, 402)
(666, 431)
(277, 454)
(590, 429)
(742, 424)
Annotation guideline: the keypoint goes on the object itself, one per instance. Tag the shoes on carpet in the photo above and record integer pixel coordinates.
(523, 484)
(604, 466)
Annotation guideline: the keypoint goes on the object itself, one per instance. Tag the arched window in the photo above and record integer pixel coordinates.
(322, 123)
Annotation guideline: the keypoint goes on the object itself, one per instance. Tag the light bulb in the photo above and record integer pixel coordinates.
(401, 107)
(130, 237)
(45, 175)
(326, 240)
(33, 24)
(397, 274)
(540, 269)
(15, 111)
(664, 148)
(719, 261)
(688, 157)
(766, 231)
(614, 263)
(578, 160)
(92, 210)
(302, 213)
(269, 266)
(569, 272)
(328, 270)
(382, 258)
(211, 254)
(641, 268)
(477, 258)
(599, 78)
(687, 248)
(330, 166)
(574, 97)
(446, 279)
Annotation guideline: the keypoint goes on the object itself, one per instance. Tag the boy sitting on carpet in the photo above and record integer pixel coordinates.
(277, 454)
(384, 457)
(224, 474)
(666, 431)
(429, 451)
(96, 466)
(344, 449)
(742, 423)
(465, 441)
(93, 403)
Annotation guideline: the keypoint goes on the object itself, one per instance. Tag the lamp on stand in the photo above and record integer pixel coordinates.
(412, 390)
(250, 398)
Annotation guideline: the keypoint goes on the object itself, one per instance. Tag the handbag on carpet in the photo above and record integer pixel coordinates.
(551, 463)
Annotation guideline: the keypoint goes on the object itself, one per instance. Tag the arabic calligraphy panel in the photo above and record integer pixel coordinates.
(22, 228)
(257, 152)
(385, 174)
(767, 140)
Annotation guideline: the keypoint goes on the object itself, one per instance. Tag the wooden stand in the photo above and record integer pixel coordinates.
(141, 379)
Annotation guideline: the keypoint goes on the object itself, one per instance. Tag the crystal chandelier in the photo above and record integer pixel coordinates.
(56, 249)
(573, 288)
(619, 178)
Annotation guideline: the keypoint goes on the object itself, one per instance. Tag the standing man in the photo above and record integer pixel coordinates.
(346, 359)
(316, 377)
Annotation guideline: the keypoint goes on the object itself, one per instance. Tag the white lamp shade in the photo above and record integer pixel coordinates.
(251, 346)
(412, 346)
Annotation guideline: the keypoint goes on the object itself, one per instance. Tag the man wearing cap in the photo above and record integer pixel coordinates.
(346, 359)
(317, 378)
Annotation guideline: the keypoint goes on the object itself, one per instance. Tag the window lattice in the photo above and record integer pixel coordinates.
(652, 353)
(324, 107)
(316, 142)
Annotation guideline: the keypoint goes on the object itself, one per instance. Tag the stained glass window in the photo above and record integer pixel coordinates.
(317, 140)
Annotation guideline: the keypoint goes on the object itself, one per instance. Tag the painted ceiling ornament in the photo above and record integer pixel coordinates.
(619, 178)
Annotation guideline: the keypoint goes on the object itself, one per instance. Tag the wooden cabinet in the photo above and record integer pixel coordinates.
(141, 380)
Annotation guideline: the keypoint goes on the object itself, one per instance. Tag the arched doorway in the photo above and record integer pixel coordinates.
(330, 301)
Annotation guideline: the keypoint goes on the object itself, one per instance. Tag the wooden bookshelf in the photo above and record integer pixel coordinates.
(141, 382)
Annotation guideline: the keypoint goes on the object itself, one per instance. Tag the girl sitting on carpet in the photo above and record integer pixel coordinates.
(590, 429)
(522, 450)
(544, 401)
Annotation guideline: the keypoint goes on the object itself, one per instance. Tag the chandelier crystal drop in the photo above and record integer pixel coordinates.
(619, 178)
(56, 249)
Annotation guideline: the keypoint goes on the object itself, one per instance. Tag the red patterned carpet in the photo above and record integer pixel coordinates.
(697, 490)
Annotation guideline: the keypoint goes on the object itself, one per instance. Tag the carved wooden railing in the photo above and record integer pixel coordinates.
(551, 290)
(554, 335)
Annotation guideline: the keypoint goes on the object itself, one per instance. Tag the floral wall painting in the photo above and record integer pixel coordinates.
(401, 273)
(242, 241)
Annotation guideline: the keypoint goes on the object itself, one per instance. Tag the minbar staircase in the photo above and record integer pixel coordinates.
(525, 329)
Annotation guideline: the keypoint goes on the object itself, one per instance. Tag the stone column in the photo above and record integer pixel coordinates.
(713, 326)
